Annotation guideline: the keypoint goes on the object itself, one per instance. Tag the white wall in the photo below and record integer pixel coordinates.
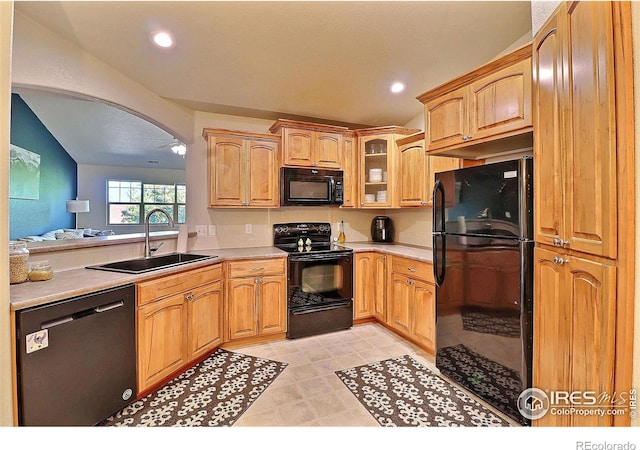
(92, 186)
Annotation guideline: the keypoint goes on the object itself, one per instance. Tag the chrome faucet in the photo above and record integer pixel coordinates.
(148, 250)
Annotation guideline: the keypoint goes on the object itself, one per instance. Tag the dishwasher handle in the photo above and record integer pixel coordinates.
(80, 314)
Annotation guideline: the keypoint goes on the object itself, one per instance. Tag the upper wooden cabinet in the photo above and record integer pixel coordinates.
(490, 103)
(243, 168)
(309, 144)
(379, 165)
(350, 169)
(575, 148)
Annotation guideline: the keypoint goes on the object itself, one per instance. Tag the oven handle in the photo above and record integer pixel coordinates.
(319, 257)
(322, 308)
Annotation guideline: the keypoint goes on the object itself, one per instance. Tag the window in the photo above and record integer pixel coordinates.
(128, 202)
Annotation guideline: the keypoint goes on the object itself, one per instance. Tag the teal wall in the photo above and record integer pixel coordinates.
(58, 177)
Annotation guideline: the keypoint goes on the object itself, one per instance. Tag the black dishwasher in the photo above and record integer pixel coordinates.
(76, 359)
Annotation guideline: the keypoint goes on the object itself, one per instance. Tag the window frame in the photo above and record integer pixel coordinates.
(176, 206)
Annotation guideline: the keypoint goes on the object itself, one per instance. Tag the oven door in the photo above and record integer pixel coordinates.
(319, 279)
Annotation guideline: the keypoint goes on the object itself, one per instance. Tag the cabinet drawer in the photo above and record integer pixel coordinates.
(412, 268)
(149, 291)
(256, 267)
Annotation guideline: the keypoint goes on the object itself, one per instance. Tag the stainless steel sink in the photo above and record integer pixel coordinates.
(142, 265)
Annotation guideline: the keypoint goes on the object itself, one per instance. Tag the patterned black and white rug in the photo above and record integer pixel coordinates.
(489, 379)
(499, 322)
(215, 392)
(402, 392)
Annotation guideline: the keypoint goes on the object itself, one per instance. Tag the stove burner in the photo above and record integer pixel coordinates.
(305, 238)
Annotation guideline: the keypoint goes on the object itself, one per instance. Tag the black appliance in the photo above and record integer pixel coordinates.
(483, 264)
(311, 187)
(319, 279)
(382, 229)
(76, 359)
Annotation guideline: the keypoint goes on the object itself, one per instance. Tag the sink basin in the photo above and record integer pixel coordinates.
(142, 265)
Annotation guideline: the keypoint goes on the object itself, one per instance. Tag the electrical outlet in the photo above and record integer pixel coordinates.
(212, 230)
(248, 228)
(201, 230)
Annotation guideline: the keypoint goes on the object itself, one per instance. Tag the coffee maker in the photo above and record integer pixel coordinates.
(382, 229)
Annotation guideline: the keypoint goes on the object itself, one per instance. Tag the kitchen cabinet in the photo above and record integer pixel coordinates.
(255, 301)
(574, 329)
(243, 169)
(583, 122)
(309, 145)
(379, 165)
(370, 286)
(179, 320)
(490, 103)
(411, 305)
(350, 169)
(417, 171)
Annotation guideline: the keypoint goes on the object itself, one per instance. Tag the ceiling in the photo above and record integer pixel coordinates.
(329, 62)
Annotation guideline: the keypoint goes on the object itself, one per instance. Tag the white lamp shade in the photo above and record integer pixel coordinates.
(77, 206)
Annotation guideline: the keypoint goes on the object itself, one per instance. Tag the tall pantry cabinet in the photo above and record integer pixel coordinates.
(584, 201)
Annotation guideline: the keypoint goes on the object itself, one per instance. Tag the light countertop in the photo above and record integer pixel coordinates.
(75, 282)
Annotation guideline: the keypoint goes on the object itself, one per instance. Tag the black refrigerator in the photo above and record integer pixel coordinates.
(483, 266)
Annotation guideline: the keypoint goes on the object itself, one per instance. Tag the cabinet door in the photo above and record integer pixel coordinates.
(380, 287)
(364, 295)
(501, 102)
(592, 287)
(376, 152)
(242, 314)
(437, 164)
(551, 330)
(262, 180)
(227, 172)
(590, 200)
(205, 319)
(272, 304)
(446, 119)
(413, 171)
(399, 311)
(424, 314)
(350, 169)
(327, 148)
(547, 122)
(297, 147)
(162, 339)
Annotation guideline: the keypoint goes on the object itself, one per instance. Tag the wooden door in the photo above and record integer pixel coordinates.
(548, 91)
(501, 102)
(552, 320)
(590, 130)
(592, 287)
(399, 310)
(446, 120)
(272, 304)
(162, 339)
(413, 175)
(242, 314)
(297, 147)
(227, 162)
(371, 158)
(350, 169)
(205, 319)
(364, 294)
(327, 149)
(262, 174)
(424, 315)
(437, 164)
(380, 287)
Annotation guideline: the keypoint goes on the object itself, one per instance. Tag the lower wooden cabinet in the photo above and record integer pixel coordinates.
(411, 304)
(574, 330)
(179, 325)
(370, 286)
(255, 300)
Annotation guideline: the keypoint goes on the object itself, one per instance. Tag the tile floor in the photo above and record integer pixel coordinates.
(308, 393)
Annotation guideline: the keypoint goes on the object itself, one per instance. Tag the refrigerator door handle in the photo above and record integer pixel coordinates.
(439, 264)
(438, 207)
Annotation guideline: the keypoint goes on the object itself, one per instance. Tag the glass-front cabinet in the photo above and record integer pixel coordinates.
(379, 162)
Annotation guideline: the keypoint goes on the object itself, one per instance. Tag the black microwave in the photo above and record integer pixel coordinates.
(311, 187)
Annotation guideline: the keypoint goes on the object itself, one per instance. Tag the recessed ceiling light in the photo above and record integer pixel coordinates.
(397, 87)
(163, 39)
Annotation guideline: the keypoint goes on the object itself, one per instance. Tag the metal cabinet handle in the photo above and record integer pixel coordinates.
(464, 138)
(255, 269)
(560, 261)
(189, 296)
(412, 269)
(560, 243)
